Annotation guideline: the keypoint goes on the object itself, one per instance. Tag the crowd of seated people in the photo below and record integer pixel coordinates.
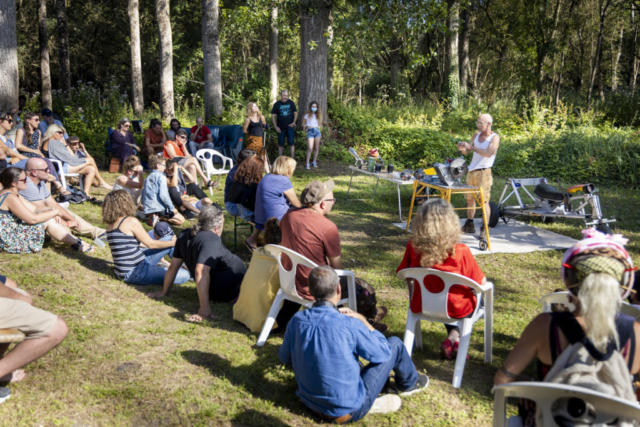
(185, 194)
(177, 150)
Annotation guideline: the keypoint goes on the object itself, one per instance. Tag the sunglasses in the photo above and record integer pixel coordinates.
(24, 180)
(74, 143)
(181, 137)
(36, 119)
(59, 132)
(126, 126)
(8, 120)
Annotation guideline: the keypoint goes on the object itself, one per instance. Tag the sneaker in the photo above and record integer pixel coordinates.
(468, 227)
(454, 350)
(386, 404)
(421, 384)
(446, 348)
(152, 220)
(307, 167)
(5, 393)
(314, 164)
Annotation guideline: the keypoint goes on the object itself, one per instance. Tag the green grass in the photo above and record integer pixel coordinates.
(129, 360)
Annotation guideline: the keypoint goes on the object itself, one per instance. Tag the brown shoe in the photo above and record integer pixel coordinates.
(380, 327)
(381, 314)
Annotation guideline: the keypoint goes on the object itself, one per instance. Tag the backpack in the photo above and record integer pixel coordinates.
(366, 299)
(77, 196)
(582, 365)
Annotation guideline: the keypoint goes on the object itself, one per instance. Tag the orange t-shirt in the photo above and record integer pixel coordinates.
(178, 149)
(461, 300)
(154, 138)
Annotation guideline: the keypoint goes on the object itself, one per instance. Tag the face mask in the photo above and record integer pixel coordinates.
(314, 109)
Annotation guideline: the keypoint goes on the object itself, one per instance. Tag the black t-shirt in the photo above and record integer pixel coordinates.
(285, 111)
(206, 248)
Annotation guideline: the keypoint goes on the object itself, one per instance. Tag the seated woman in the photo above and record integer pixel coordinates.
(177, 150)
(598, 272)
(243, 194)
(434, 244)
(23, 225)
(275, 192)
(57, 148)
(261, 283)
(134, 265)
(232, 208)
(190, 206)
(123, 144)
(133, 179)
(155, 199)
(218, 273)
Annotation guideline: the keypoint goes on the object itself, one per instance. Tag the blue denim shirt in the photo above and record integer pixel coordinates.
(155, 193)
(323, 346)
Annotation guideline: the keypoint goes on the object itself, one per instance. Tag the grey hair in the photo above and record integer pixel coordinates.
(123, 121)
(283, 91)
(209, 218)
(323, 281)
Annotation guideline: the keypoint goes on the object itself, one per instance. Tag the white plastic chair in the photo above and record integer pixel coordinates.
(563, 298)
(605, 408)
(288, 290)
(434, 309)
(206, 155)
(58, 165)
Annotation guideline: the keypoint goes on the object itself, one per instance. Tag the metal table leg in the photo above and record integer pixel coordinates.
(399, 202)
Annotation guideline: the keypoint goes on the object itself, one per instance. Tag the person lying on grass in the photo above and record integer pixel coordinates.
(43, 332)
(324, 344)
(434, 244)
(218, 273)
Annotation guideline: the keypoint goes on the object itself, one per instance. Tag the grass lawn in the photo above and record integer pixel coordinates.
(129, 360)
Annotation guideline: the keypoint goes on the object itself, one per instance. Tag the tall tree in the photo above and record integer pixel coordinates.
(136, 58)
(8, 55)
(212, 65)
(273, 53)
(45, 70)
(451, 70)
(314, 26)
(63, 45)
(602, 14)
(166, 60)
(464, 49)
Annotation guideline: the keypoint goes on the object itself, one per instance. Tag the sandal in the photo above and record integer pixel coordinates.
(209, 184)
(251, 248)
(79, 246)
(446, 348)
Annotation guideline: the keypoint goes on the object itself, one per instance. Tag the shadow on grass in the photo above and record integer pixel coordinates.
(251, 417)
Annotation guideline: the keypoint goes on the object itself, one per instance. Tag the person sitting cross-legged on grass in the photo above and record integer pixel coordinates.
(324, 344)
(218, 273)
(434, 244)
(134, 265)
(194, 198)
(156, 201)
(43, 332)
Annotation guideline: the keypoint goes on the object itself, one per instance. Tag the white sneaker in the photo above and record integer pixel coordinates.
(314, 164)
(385, 404)
(307, 167)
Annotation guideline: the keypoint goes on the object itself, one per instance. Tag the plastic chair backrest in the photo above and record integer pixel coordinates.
(208, 155)
(434, 288)
(563, 298)
(288, 278)
(551, 397)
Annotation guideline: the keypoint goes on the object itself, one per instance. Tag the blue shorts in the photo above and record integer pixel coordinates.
(289, 132)
(3, 279)
(313, 133)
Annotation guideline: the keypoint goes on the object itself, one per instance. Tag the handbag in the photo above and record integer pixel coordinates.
(114, 165)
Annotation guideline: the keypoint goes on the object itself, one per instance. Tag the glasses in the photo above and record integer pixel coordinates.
(40, 170)
(36, 119)
(8, 120)
(126, 126)
(330, 200)
(181, 137)
(74, 143)
(59, 132)
(23, 180)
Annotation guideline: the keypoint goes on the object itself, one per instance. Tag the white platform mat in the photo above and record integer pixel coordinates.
(514, 237)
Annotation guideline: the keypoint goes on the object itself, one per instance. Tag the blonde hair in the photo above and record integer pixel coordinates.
(130, 163)
(436, 231)
(117, 204)
(598, 301)
(284, 165)
(51, 130)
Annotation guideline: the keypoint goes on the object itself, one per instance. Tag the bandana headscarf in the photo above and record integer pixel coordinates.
(598, 253)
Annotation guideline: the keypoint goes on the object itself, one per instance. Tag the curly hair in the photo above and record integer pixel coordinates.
(117, 204)
(435, 230)
(250, 171)
(130, 163)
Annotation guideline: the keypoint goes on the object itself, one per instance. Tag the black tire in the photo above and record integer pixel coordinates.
(483, 245)
(604, 228)
(494, 216)
(548, 219)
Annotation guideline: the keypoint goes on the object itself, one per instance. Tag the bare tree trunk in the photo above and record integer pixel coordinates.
(166, 60)
(394, 62)
(9, 57)
(45, 70)
(614, 75)
(559, 86)
(604, 5)
(63, 46)
(464, 50)
(330, 54)
(136, 59)
(314, 24)
(634, 49)
(452, 73)
(212, 65)
(273, 54)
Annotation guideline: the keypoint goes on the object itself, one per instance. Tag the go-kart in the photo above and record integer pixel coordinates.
(547, 202)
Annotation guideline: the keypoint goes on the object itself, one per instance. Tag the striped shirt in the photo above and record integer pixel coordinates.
(125, 251)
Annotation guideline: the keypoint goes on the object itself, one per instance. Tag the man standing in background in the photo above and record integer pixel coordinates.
(284, 116)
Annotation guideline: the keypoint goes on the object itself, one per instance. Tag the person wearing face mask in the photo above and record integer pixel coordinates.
(132, 180)
(311, 125)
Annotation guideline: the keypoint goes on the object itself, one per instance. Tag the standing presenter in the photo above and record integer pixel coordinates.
(484, 146)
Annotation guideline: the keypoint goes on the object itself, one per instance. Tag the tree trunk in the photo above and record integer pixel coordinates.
(559, 86)
(452, 73)
(45, 70)
(166, 60)
(616, 61)
(394, 62)
(273, 54)
(464, 50)
(330, 54)
(634, 49)
(212, 65)
(314, 24)
(63, 46)
(9, 57)
(136, 59)
(596, 61)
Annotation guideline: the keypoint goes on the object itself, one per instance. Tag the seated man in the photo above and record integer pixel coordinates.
(200, 137)
(38, 194)
(218, 273)
(48, 120)
(324, 343)
(177, 151)
(156, 202)
(43, 331)
(154, 138)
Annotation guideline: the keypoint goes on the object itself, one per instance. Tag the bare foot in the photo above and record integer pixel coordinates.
(107, 186)
(14, 377)
(207, 201)
(196, 318)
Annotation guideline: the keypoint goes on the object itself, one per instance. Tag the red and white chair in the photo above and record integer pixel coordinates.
(429, 303)
(563, 298)
(288, 290)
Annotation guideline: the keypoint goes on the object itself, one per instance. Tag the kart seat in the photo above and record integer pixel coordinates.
(548, 192)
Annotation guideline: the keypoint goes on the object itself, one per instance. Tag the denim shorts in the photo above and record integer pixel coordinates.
(313, 133)
(287, 132)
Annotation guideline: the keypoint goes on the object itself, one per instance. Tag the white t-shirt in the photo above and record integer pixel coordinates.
(478, 161)
(312, 122)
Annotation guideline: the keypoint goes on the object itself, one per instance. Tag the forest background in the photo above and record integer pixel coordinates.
(406, 76)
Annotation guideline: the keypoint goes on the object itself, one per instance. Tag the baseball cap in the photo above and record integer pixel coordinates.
(315, 191)
(162, 229)
(46, 112)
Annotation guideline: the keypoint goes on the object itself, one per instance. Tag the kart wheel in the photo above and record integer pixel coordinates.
(494, 216)
(548, 219)
(483, 245)
(604, 228)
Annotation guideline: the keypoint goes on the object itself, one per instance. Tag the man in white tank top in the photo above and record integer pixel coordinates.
(484, 146)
